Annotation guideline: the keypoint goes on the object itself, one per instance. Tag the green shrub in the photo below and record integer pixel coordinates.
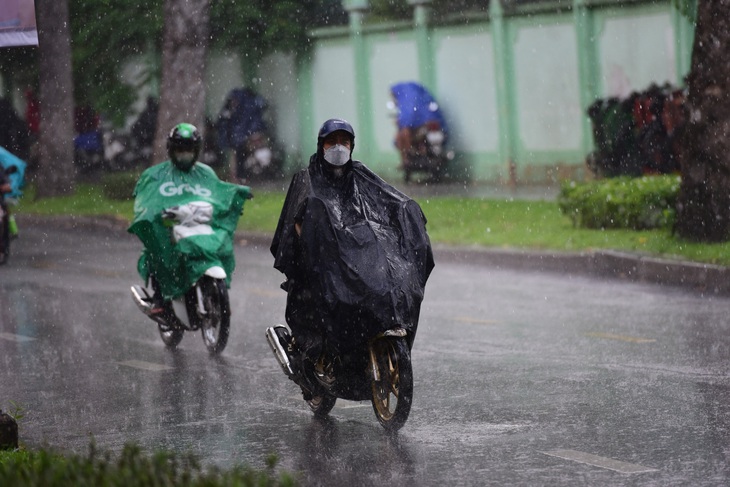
(630, 203)
(119, 185)
(130, 468)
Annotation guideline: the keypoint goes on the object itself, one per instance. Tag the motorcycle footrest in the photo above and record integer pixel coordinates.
(279, 351)
(142, 299)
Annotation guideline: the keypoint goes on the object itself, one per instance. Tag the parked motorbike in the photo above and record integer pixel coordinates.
(89, 151)
(378, 369)
(260, 161)
(422, 132)
(122, 151)
(427, 152)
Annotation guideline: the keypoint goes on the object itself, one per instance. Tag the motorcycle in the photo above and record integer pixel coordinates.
(260, 161)
(355, 280)
(205, 306)
(89, 151)
(186, 222)
(378, 369)
(427, 152)
(422, 131)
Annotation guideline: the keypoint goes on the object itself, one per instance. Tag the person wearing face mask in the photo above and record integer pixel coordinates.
(183, 182)
(354, 251)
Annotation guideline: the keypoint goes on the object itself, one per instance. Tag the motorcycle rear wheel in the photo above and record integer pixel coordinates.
(393, 393)
(215, 325)
(321, 405)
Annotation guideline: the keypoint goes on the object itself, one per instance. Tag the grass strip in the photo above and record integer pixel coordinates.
(500, 223)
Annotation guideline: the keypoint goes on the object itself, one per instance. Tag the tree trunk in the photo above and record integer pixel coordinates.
(56, 172)
(184, 52)
(703, 209)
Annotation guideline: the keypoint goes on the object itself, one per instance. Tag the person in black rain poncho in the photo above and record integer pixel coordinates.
(353, 248)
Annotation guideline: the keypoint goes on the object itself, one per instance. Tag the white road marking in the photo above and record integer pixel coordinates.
(622, 338)
(15, 338)
(140, 364)
(602, 462)
(352, 404)
(341, 403)
(478, 321)
(268, 293)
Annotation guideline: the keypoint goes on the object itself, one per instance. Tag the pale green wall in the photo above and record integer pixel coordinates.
(224, 74)
(333, 87)
(392, 57)
(548, 106)
(278, 83)
(513, 87)
(466, 85)
(635, 49)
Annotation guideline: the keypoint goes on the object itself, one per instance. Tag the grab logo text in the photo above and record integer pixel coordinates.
(169, 189)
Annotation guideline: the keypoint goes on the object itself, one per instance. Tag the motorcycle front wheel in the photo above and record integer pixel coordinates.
(322, 405)
(171, 337)
(215, 322)
(393, 392)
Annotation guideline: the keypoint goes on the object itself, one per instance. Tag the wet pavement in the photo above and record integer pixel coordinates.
(521, 377)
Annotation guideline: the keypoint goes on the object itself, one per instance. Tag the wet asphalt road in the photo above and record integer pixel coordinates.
(520, 378)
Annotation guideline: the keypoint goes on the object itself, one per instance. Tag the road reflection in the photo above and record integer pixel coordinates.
(335, 452)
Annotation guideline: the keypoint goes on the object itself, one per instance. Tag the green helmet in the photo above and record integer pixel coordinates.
(183, 145)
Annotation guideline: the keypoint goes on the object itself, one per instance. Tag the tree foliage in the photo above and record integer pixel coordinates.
(184, 54)
(402, 10)
(108, 33)
(105, 35)
(258, 27)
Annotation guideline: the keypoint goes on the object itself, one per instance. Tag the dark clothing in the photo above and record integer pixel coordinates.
(362, 260)
(143, 129)
(242, 116)
(14, 134)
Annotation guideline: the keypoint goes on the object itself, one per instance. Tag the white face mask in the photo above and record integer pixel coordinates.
(337, 155)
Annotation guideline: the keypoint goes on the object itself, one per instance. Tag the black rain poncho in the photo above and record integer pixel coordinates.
(361, 263)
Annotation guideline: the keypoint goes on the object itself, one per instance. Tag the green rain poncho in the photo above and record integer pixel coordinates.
(177, 265)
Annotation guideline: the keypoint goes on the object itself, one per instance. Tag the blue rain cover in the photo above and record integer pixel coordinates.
(246, 117)
(416, 106)
(17, 180)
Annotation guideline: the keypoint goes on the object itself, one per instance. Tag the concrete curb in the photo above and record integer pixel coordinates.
(702, 278)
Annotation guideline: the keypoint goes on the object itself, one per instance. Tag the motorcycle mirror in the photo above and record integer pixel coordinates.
(392, 109)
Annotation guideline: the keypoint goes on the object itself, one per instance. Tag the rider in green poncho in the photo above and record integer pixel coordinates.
(206, 209)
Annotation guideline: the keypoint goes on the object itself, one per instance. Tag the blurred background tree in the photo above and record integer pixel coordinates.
(184, 55)
(703, 211)
(56, 173)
